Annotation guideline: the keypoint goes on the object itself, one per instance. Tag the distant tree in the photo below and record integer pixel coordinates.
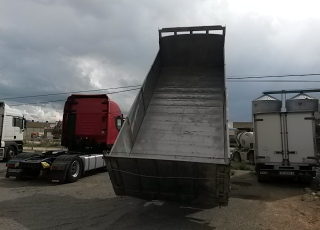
(57, 130)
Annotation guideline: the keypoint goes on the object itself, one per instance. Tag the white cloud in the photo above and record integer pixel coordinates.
(41, 114)
(293, 10)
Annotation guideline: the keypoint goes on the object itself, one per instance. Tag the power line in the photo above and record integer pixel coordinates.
(54, 94)
(46, 102)
(271, 76)
(290, 81)
(228, 79)
(241, 81)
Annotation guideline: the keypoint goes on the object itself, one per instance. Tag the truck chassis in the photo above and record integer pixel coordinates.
(59, 166)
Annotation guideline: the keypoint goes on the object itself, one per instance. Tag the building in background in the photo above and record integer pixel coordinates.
(54, 131)
(242, 125)
(37, 129)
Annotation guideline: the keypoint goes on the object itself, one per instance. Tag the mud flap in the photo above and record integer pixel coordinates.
(59, 168)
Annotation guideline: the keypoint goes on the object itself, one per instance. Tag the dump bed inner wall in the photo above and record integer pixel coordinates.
(182, 104)
(174, 141)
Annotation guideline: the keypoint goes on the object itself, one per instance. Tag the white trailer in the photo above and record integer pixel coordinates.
(12, 125)
(286, 142)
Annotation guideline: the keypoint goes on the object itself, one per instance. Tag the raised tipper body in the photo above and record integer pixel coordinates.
(174, 142)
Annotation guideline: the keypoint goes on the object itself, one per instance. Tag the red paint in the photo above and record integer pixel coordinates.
(89, 119)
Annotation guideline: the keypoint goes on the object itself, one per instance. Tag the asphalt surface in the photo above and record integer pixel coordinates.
(3, 167)
(91, 203)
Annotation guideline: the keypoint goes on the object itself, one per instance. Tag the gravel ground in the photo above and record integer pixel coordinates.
(91, 203)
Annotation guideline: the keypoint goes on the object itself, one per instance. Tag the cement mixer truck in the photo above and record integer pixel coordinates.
(244, 149)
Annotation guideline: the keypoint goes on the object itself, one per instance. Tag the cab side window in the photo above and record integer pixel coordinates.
(17, 122)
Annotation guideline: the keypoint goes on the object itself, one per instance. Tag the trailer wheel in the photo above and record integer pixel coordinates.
(250, 157)
(11, 152)
(75, 170)
(236, 157)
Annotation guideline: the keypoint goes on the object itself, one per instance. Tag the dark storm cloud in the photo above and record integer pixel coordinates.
(260, 45)
(63, 46)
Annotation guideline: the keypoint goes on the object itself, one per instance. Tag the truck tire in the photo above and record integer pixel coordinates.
(74, 171)
(11, 153)
(236, 157)
(250, 157)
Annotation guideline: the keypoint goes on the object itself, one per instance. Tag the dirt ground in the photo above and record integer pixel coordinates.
(91, 203)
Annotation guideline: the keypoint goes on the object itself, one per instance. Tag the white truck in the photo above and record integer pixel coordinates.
(286, 139)
(12, 126)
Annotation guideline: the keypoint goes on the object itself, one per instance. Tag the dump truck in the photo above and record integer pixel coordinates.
(12, 127)
(287, 140)
(89, 128)
(174, 142)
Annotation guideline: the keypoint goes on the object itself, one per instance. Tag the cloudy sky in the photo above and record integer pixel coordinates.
(49, 47)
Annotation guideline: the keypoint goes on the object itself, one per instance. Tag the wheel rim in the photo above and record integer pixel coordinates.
(11, 153)
(75, 168)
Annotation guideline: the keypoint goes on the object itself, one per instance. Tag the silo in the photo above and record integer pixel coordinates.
(302, 103)
(266, 104)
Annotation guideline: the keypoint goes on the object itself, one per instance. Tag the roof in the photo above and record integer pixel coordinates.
(266, 97)
(302, 96)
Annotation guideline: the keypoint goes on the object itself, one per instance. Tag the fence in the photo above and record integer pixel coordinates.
(41, 142)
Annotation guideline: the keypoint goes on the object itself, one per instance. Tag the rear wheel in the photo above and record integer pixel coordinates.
(11, 152)
(251, 157)
(75, 170)
(236, 157)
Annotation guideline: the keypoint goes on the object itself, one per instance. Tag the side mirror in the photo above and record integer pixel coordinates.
(119, 122)
(24, 123)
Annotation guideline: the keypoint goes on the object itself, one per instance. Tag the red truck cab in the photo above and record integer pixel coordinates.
(90, 123)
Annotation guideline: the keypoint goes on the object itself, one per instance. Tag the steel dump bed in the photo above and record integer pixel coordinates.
(174, 142)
